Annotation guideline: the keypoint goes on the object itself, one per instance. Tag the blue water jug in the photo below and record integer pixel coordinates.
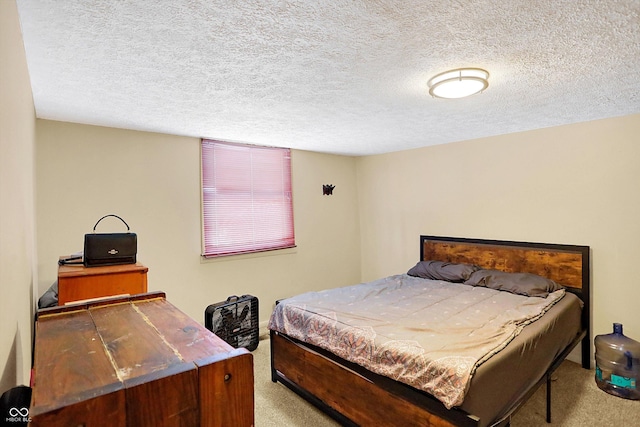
(618, 364)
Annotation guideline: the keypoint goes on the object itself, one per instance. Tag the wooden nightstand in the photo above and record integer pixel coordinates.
(76, 282)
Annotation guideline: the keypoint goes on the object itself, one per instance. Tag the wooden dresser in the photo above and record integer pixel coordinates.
(136, 361)
(76, 282)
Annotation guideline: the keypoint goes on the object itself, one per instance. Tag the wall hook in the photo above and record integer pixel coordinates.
(327, 189)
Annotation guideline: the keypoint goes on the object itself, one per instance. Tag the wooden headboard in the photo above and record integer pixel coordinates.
(567, 265)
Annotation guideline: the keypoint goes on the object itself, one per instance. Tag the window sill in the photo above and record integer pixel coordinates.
(239, 257)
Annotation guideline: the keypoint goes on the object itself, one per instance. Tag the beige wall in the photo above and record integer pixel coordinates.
(17, 249)
(575, 184)
(153, 182)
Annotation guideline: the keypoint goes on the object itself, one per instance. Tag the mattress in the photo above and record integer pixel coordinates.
(498, 379)
(500, 382)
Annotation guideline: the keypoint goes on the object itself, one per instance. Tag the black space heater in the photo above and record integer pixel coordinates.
(235, 321)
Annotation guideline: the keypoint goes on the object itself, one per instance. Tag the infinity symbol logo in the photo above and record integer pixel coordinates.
(14, 412)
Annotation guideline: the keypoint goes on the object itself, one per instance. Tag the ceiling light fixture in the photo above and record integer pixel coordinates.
(458, 83)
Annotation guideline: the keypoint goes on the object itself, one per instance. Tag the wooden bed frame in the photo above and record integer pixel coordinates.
(355, 396)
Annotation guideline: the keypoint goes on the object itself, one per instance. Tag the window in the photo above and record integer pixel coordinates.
(246, 198)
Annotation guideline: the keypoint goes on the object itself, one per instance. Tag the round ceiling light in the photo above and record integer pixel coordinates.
(458, 83)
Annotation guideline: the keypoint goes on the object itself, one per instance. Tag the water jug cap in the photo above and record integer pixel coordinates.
(617, 328)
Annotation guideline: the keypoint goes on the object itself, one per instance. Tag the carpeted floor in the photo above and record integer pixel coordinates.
(577, 401)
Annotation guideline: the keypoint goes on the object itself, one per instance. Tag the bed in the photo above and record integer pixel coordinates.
(355, 393)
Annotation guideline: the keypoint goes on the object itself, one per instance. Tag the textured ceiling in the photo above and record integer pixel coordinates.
(339, 76)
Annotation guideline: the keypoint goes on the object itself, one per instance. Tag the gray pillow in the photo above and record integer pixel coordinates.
(527, 284)
(441, 270)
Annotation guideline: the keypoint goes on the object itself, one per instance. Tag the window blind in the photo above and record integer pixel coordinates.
(246, 198)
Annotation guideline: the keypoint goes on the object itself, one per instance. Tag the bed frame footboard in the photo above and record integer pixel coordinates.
(352, 395)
